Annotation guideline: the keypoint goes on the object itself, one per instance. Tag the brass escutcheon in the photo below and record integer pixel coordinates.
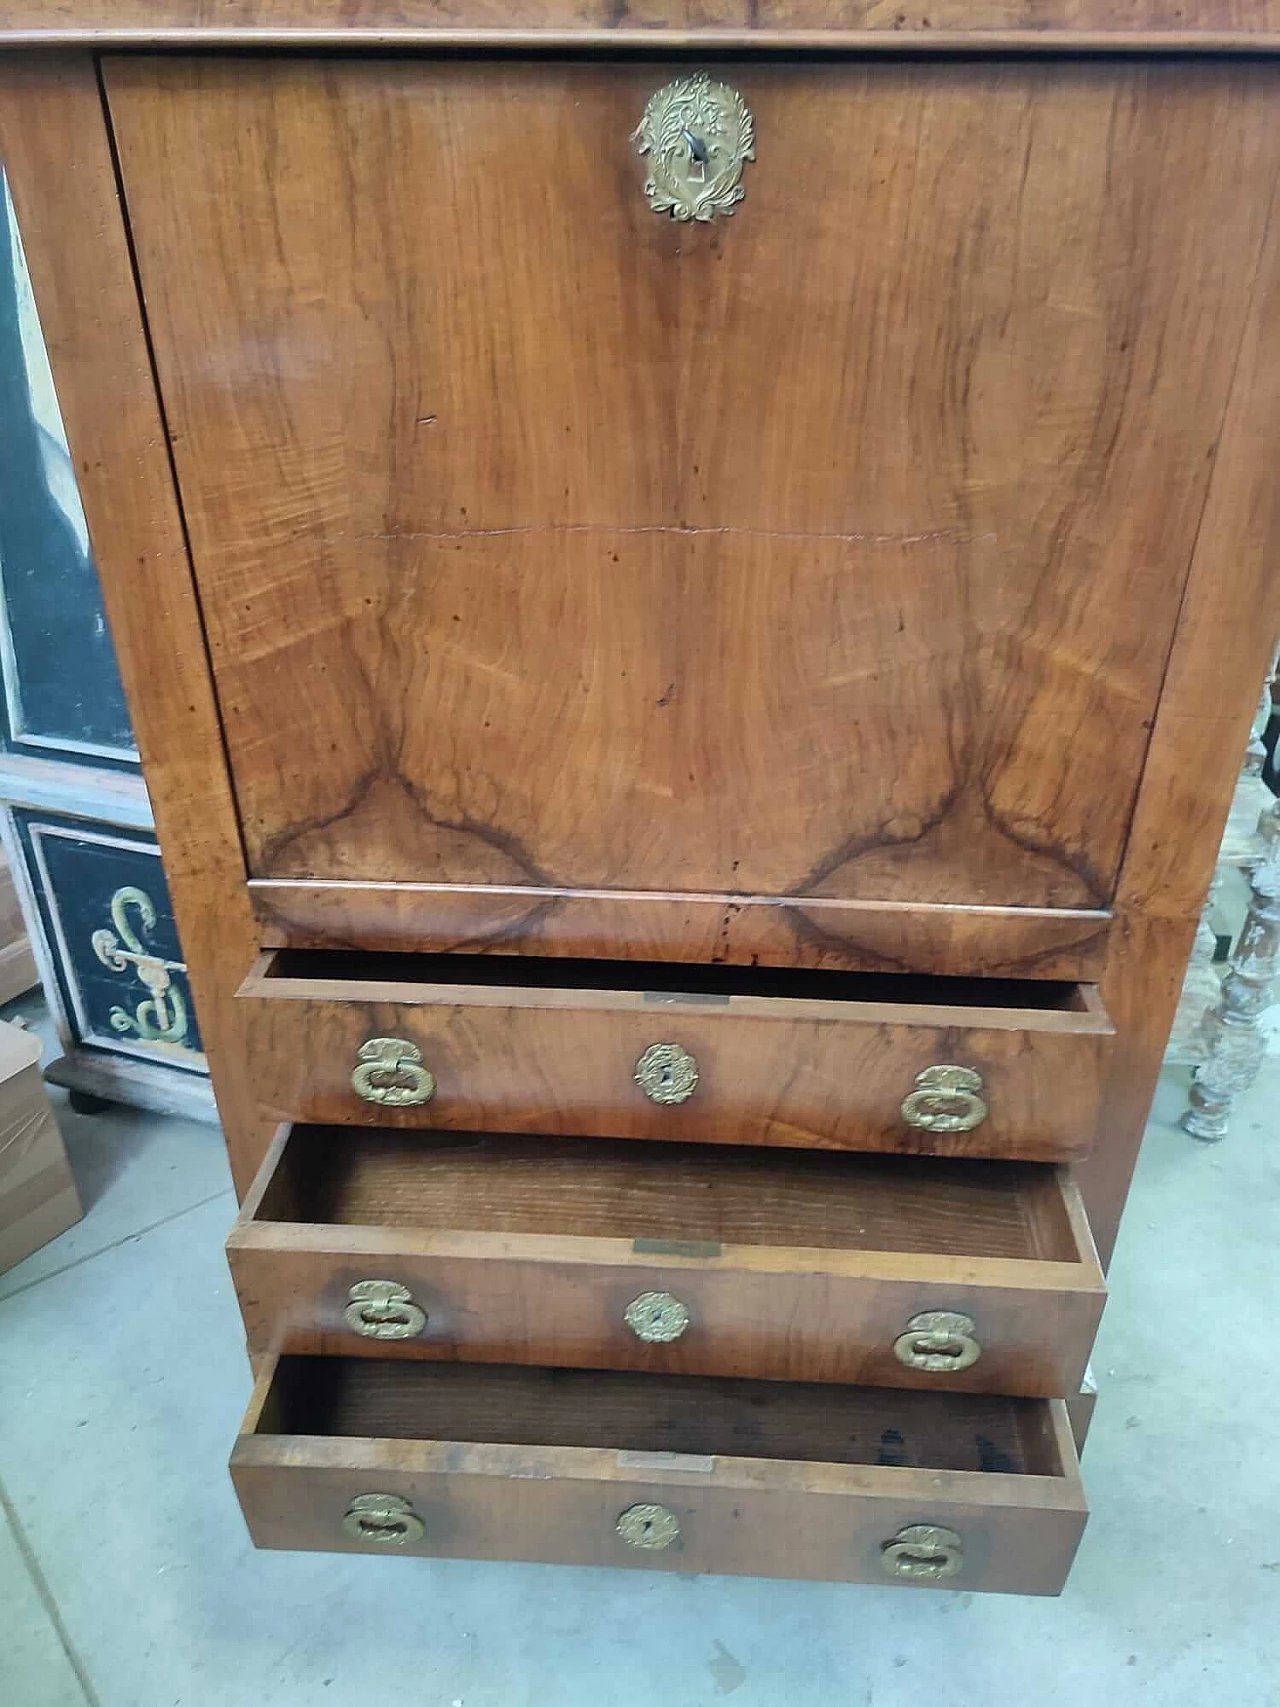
(656, 1317)
(383, 1310)
(649, 1526)
(940, 1341)
(698, 135)
(666, 1073)
(389, 1071)
(945, 1099)
(386, 1520)
(923, 1553)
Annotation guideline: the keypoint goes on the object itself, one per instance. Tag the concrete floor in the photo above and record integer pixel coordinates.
(127, 1580)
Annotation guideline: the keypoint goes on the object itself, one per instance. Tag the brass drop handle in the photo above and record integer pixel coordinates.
(943, 1342)
(386, 1520)
(656, 1317)
(649, 1526)
(666, 1073)
(945, 1099)
(389, 1071)
(383, 1310)
(698, 135)
(923, 1553)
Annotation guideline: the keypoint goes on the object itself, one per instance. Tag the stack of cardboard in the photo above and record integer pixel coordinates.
(38, 1198)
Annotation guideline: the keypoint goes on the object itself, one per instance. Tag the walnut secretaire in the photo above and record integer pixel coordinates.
(691, 611)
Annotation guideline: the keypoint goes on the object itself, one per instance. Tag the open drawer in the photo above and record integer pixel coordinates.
(786, 1264)
(711, 1054)
(676, 1472)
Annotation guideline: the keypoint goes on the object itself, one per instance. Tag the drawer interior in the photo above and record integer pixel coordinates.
(631, 1189)
(502, 1404)
(1030, 1003)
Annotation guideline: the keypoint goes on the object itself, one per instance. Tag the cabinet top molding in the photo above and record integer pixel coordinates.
(701, 25)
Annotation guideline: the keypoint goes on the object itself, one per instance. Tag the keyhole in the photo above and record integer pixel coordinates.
(697, 154)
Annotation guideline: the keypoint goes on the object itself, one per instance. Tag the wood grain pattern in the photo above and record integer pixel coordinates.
(993, 24)
(802, 1266)
(773, 1069)
(1226, 637)
(55, 151)
(770, 1478)
(560, 665)
(873, 936)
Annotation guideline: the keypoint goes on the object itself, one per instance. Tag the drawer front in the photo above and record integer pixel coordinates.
(602, 554)
(746, 1070)
(1013, 1526)
(968, 1276)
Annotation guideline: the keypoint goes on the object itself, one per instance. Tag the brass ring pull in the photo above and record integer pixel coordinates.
(389, 1071)
(656, 1317)
(945, 1099)
(923, 1553)
(699, 136)
(649, 1526)
(666, 1073)
(940, 1341)
(386, 1520)
(383, 1310)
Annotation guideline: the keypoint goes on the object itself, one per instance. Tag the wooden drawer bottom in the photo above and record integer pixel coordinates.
(673, 1472)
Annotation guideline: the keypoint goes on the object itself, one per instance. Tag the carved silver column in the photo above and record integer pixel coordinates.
(1234, 1046)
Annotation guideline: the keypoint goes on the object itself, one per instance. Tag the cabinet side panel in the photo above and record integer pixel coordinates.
(56, 153)
(1225, 639)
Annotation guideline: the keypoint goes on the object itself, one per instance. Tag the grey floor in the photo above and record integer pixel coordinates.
(126, 1579)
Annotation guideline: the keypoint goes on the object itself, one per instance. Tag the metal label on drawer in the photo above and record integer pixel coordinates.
(692, 998)
(677, 1248)
(690, 1463)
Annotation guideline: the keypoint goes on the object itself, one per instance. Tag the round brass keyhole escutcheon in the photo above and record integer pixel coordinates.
(946, 1099)
(389, 1072)
(666, 1073)
(383, 1310)
(922, 1553)
(385, 1520)
(650, 1526)
(656, 1317)
(939, 1341)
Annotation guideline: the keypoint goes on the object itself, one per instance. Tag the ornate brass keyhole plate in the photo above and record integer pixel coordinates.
(383, 1310)
(698, 135)
(666, 1073)
(922, 1552)
(940, 1341)
(945, 1099)
(389, 1071)
(650, 1526)
(385, 1520)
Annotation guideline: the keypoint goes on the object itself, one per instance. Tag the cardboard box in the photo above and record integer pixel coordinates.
(38, 1197)
(18, 972)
